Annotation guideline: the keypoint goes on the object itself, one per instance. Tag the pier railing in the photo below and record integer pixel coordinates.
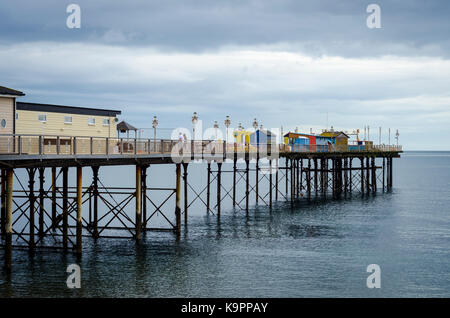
(81, 145)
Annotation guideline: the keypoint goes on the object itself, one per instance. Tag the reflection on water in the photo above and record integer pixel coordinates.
(320, 249)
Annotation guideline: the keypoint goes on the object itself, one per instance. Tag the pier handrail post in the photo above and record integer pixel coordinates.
(121, 146)
(40, 144)
(135, 146)
(19, 144)
(74, 145)
(91, 145)
(224, 150)
(107, 146)
(58, 144)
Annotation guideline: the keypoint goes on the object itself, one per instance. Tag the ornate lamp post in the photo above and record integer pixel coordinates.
(227, 124)
(255, 125)
(396, 136)
(194, 123)
(154, 125)
(216, 127)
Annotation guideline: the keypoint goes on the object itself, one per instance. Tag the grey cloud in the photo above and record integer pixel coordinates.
(317, 27)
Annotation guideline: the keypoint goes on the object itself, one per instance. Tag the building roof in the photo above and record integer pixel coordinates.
(124, 126)
(67, 109)
(333, 134)
(303, 135)
(10, 91)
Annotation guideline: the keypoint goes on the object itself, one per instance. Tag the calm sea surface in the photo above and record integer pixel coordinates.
(314, 250)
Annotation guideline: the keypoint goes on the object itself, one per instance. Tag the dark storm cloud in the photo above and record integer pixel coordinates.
(316, 27)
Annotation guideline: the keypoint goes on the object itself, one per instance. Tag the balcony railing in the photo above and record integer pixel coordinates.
(79, 145)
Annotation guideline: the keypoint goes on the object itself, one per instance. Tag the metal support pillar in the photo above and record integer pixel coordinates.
(316, 168)
(32, 200)
(53, 198)
(3, 204)
(95, 193)
(138, 198)
(79, 242)
(362, 175)
(257, 178)
(208, 186)
(178, 199)
(276, 179)
(247, 183)
(292, 181)
(270, 183)
(9, 220)
(367, 175)
(65, 207)
(41, 202)
(308, 181)
(185, 186)
(219, 185)
(383, 174)
(374, 176)
(144, 197)
(234, 180)
(351, 176)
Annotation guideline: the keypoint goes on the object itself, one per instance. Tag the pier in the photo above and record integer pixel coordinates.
(59, 213)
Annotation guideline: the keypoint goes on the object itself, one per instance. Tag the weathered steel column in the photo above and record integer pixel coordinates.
(297, 178)
(301, 175)
(3, 204)
(383, 175)
(79, 242)
(247, 182)
(53, 198)
(234, 180)
(144, 198)
(374, 176)
(367, 175)
(178, 199)
(185, 185)
(292, 181)
(32, 200)
(65, 208)
(390, 172)
(257, 177)
(276, 179)
(41, 201)
(208, 185)
(286, 173)
(219, 185)
(316, 168)
(270, 183)
(333, 177)
(308, 183)
(351, 176)
(8, 215)
(345, 177)
(138, 221)
(95, 193)
(362, 175)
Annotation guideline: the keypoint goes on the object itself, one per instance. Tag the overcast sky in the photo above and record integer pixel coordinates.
(284, 62)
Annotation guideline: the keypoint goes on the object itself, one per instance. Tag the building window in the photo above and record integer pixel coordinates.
(42, 118)
(3, 123)
(91, 121)
(67, 119)
(105, 121)
(17, 116)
